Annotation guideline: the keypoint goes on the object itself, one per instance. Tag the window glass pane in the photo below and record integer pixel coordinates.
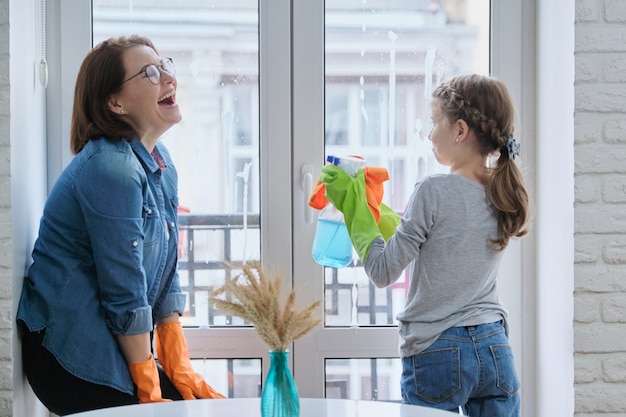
(214, 46)
(235, 378)
(364, 379)
(382, 61)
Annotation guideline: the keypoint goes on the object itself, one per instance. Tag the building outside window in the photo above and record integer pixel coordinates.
(381, 60)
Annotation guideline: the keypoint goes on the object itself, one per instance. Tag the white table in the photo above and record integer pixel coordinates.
(250, 407)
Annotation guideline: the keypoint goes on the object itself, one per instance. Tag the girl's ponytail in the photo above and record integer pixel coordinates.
(508, 195)
(485, 105)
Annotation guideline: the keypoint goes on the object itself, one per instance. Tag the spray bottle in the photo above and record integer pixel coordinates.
(332, 245)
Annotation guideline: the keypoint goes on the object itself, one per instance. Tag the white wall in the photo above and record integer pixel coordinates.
(600, 208)
(27, 190)
(6, 295)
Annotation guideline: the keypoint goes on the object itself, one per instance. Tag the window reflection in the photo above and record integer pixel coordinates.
(235, 378)
(364, 379)
(382, 61)
(214, 44)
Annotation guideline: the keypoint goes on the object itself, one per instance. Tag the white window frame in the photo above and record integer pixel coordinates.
(514, 41)
(308, 115)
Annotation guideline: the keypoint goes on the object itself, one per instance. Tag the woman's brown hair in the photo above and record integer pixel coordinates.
(485, 105)
(101, 74)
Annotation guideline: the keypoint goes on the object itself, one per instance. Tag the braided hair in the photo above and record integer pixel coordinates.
(485, 105)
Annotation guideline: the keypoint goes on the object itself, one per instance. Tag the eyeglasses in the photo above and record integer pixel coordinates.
(153, 72)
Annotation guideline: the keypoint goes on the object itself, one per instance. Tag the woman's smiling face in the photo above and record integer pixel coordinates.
(151, 109)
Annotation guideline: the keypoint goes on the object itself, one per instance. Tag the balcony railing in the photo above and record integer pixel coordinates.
(375, 306)
(222, 229)
(190, 227)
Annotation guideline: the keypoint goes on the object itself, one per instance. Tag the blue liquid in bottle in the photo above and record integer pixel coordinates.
(331, 245)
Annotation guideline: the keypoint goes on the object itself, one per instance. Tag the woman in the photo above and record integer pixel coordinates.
(454, 345)
(104, 263)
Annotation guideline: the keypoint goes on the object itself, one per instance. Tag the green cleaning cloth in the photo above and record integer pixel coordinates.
(348, 195)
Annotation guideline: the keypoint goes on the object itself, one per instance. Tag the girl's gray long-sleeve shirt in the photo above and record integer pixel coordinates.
(444, 240)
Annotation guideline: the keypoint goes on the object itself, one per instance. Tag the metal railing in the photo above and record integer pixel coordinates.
(191, 226)
(226, 224)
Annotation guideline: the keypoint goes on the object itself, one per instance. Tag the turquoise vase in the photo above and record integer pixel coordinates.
(279, 397)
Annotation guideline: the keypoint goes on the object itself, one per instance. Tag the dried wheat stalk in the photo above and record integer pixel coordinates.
(257, 300)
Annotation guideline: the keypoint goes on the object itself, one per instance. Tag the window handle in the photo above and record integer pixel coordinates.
(306, 175)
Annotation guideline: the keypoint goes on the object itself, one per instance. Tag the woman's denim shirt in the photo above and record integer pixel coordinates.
(105, 259)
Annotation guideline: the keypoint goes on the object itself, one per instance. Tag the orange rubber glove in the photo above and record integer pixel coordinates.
(146, 376)
(173, 356)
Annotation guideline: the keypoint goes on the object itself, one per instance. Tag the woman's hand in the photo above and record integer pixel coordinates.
(173, 355)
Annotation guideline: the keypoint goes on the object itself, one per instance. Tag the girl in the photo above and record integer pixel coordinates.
(453, 328)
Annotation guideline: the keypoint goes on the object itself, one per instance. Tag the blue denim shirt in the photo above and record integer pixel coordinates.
(105, 260)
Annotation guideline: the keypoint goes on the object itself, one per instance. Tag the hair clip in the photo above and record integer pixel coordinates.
(512, 147)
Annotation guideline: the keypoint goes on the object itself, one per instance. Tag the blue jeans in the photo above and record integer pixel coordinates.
(469, 367)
